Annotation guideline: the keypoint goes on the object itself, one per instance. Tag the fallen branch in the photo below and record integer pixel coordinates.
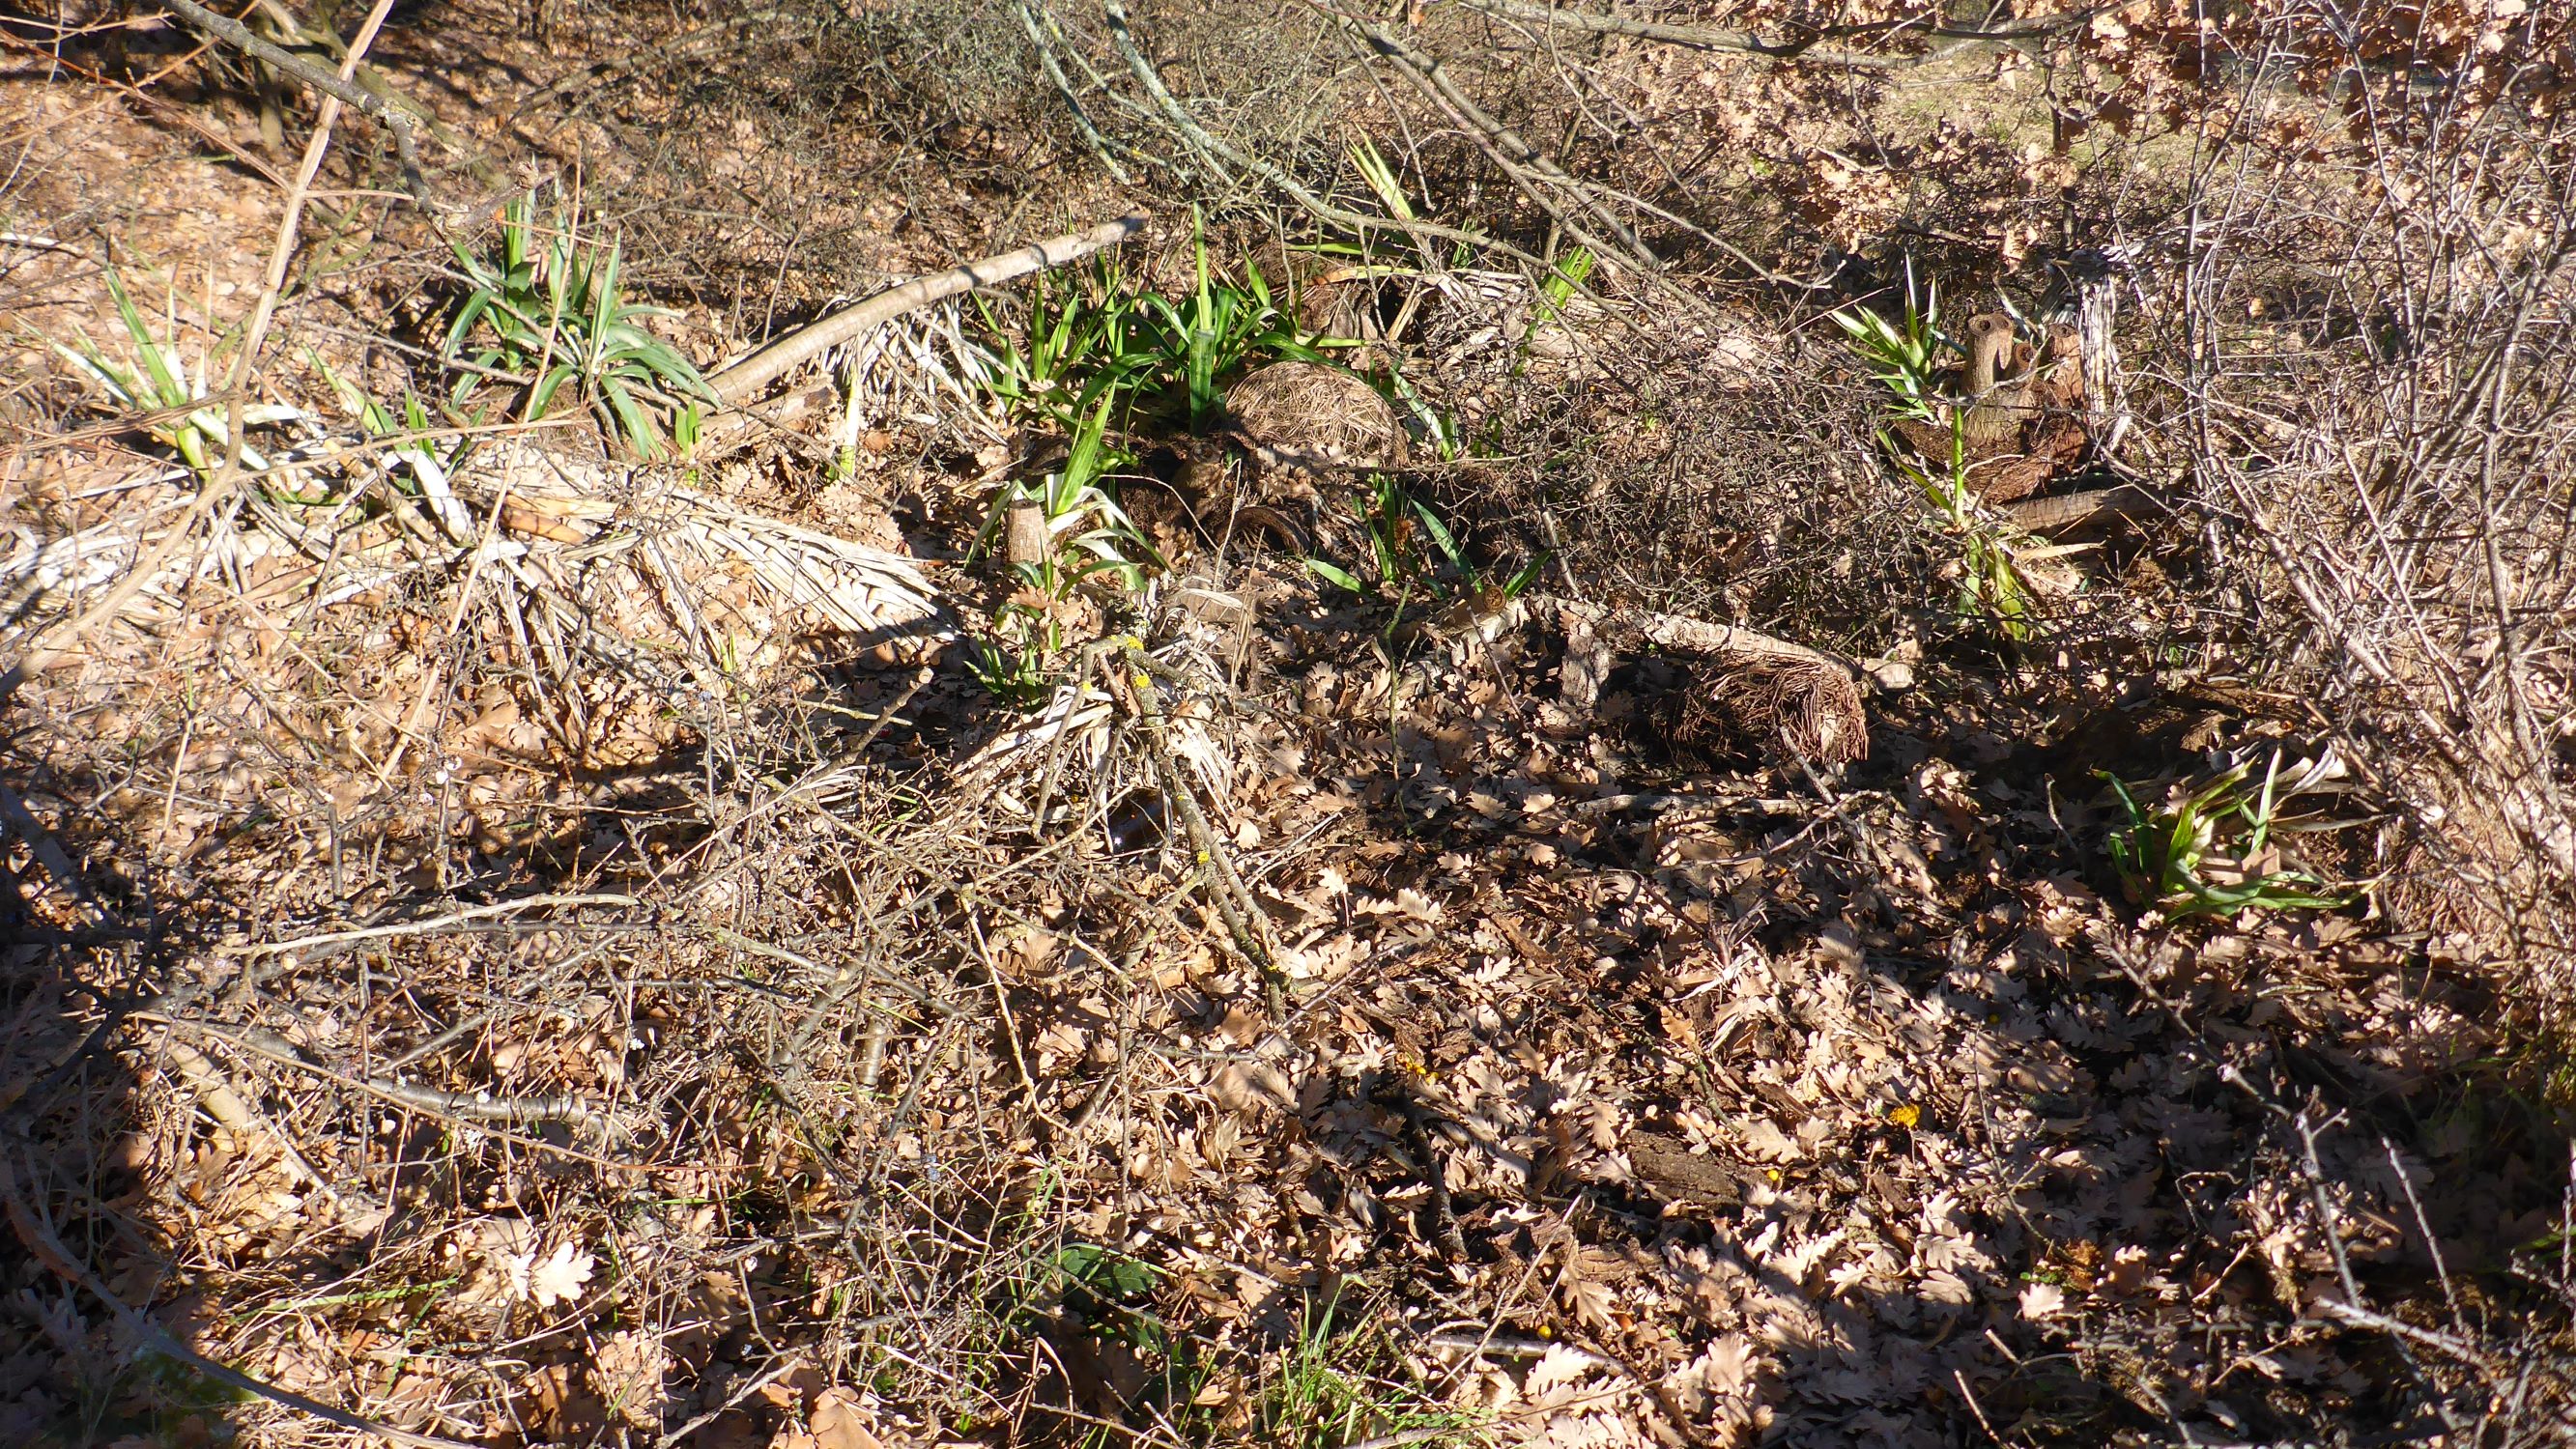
(216, 1094)
(340, 88)
(1225, 889)
(456, 1108)
(1690, 37)
(1216, 153)
(1530, 169)
(1063, 84)
(737, 382)
(429, 926)
(1703, 37)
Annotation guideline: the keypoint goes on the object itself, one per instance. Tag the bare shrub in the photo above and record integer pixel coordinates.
(2365, 335)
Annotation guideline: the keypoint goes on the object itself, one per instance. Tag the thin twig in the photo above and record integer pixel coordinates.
(1515, 156)
(494, 1114)
(426, 927)
(1214, 150)
(1703, 37)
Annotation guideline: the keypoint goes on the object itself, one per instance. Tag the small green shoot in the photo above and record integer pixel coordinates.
(1397, 522)
(1336, 575)
(2207, 851)
(1526, 575)
(1338, 1385)
(1564, 278)
(1381, 179)
(550, 305)
(407, 440)
(1018, 666)
(155, 381)
(1900, 353)
(1440, 427)
(1109, 1290)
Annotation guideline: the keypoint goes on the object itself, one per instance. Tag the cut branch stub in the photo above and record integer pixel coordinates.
(1803, 699)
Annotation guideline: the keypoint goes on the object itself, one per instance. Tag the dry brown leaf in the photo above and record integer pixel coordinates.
(841, 1418)
(555, 1278)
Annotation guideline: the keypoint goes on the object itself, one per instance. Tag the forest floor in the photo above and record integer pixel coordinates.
(699, 953)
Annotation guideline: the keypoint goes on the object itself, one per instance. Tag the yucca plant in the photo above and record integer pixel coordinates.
(551, 306)
(1566, 274)
(2206, 850)
(1901, 353)
(1216, 330)
(178, 411)
(1107, 337)
(1397, 523)
(1381, 179)
(407, 440)
(1080, 334)
(1018, 665)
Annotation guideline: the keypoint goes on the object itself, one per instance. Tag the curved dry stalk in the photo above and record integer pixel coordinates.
(1054, 67)
(1530, 169)
(1224, 887)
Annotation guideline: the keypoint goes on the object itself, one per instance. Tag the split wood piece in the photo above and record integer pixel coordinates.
(2125, 503)
(349, 93)
(1678, 1176)
(471, 1106)
(2089, 290)
(738, 382)
(1025, 541)
(1771, 689)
